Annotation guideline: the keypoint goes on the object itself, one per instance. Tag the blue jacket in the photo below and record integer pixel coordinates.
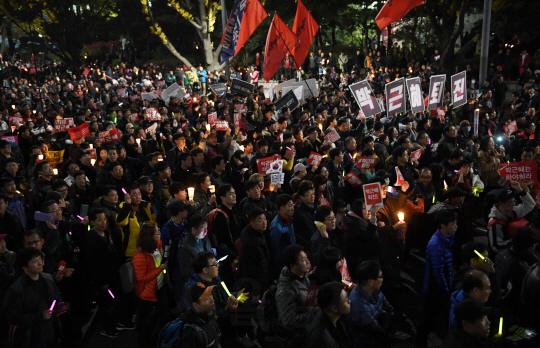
(457, 297)
(438, 272)
(362, 320)
(18, 207)
(281, 235)
(174, 239)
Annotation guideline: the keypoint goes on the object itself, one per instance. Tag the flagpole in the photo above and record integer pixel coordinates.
(281, 37)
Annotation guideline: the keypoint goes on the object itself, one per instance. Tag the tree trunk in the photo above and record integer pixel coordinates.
(333, 35)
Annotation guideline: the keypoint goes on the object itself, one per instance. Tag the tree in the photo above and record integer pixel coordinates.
(62, 28)
(202, 16)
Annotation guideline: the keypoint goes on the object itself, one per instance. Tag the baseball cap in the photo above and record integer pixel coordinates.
(470, 310)
(143, 180)
(455, 192)
(299, 167)
(504, 195)
(199, 291)
(3, 236)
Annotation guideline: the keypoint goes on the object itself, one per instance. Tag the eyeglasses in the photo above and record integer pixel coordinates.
(34, 242)
(215, 264)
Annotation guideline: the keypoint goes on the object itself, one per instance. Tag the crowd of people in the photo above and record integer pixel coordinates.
(173, 228)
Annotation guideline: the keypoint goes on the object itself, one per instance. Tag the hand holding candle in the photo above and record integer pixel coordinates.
(401, 216)
(212, 188)
(191, 192)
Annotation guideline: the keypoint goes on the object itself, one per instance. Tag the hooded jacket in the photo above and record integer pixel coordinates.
(497, 233)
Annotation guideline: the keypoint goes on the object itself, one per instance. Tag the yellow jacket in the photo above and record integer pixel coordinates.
(131, 220)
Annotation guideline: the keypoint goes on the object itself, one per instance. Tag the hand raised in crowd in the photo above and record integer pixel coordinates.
(127, 198)
(232, 303)
(47, 314)
(322, 230)
(405, 186)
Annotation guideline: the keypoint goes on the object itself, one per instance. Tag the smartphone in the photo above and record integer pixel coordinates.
(39, 216)
(84, 210)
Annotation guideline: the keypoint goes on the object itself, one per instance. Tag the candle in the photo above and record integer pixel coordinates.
(92, 161)
(34, 111)
(401, 216)
(212, 188)
(208, 127)
(480, 255)
(320, 126)
(13, 107)
(91, 146)
(138, 141)
(40, 157)
(191, 192)
(55, 171)
(160, 159)
(241, 147)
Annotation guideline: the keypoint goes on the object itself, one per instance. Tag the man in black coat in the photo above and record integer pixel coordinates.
(255, 201)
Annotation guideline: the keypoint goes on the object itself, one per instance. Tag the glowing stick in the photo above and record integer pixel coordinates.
(346, 283)
(54, 302)
(110, 293)
(222, 259)
(225, 287)
(500, 326)
(288, 148)
(80, 217)
(480, 255)
(124, 190)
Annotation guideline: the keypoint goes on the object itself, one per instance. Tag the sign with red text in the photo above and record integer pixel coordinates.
(373, 195)
(400, 180)
(365, 162)
(344, 270)
(280, 137)
(239, 107)
(459, 89)
(80, 132)
(237, 120)
(415, 94)
(92, 153)
(314, 159)
(415, 156)
(511, 127)
(152, 114)
(395, 96)
(109, 136)
(365, 98)
(121, 92)
(11, 139)
(331, 137)
(436, 91)
(353, 179)
(133, 117)
(86, 71)
(263, 164)
(15, 121)
(222, 125)
(311, 297)
(63, 125)
(212, 118)
(518, 171)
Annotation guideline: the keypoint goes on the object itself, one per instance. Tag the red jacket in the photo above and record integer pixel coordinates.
(146, 274)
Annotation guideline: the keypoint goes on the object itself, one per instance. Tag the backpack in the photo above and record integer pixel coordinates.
(169, 336)
(210, 217)
(175, 242)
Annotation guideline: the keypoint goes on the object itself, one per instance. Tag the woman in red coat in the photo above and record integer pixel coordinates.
(150, 288)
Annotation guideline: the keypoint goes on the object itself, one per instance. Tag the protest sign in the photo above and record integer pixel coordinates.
(239, 107)
(331, 137)
(277, 178)
(510, 127)
(365, 98)
(297, 90)
(263, 164)
(288, 100)
(415, 156)
(219, 88)
(237, 120)
(148, 96)
(344, 270)
(212, 118)
(86, 71)
(275, 166)
(373, 195)
(174, 91)
(311, 297)
(80, 132)
(314, 159)
(518, 171)
(395, 96)
(436, 91)
(399, 180)
(152, 129)
(459, 89)
(152, 114)
(11, 139)
(109, 136)
(92, 153)
(365, 162)
(242, 88)
(222, 125)
(121, 92)
(15, 121)
(54, 157)
(63, 125)
(133, 117)
(477, 122)
(280, 137)
(353, 179)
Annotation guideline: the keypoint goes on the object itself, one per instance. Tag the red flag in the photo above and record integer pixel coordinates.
(279, 41)
(305, 28)
(254, 14)
(394, 10)
(400, 180)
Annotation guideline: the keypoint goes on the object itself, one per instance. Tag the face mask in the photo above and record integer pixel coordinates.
(468, 128)
(387, 182)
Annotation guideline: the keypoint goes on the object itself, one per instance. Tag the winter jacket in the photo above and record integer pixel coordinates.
(438, 271)
(18, 207)
(456, 297)
(101, 260)
(336, 239)
(255, 259)
(39, 192)
(111, 211)
(364, 319)
(24, 303)
(495, 294)
(201, 198)
(497, 233)
(458, 338)
(189, 249)
(362, 240)
(304, 220)
(146, 274)
(249, 204)
(291, 294)
(191, 338)
(131, 220)
(322, 333)
(281, 236)
(226, 229)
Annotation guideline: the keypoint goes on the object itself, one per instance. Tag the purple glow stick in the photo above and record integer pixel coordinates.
(80, 217)
(52, 306)
(288, 148)
(350, 156)
(124, 190)
(110, 293)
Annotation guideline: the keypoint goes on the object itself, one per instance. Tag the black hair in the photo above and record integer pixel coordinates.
(329, 295)
(25, 255)
(196, 221)
(200, 261)
(398, 152)
(334, 152)
(469, 248)
(223, 190)
(473, 279)
(322, 212)
(367, 270)
(282, 200)
(255, 213)
(176, 187)
(250, 184)
(92, 215)
(161, 166)
(77, 173)
(289, 256)
(45, 206)
(113, 165)
(108, 188)
(216, 161)
(176, 207)
(445, 217)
